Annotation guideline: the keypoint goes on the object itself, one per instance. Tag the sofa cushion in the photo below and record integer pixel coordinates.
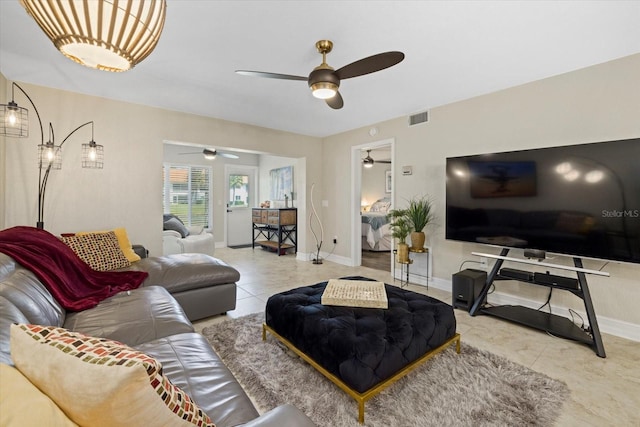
(9, 314)
(183, 272)
(172, 222)
(24, 405)
(100, 251)
(28, 294)
(132, 317)
(190, 363)
(101, 382)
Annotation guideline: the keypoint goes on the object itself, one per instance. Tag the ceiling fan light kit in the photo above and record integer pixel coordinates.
(368, 161)
(211, 154)
(107, 35)
(324, 81)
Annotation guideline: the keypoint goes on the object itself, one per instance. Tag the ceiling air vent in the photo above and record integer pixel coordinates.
(418, 118)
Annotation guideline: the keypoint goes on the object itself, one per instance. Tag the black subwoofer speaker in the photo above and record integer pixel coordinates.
(466, 288)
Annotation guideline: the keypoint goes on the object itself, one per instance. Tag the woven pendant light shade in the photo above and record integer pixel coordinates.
(108, 35)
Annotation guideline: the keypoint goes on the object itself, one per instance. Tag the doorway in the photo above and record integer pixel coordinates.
(241, 195)
(371, 185)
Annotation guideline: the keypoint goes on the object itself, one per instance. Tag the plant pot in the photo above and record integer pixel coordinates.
(417, 241)
(403, 253)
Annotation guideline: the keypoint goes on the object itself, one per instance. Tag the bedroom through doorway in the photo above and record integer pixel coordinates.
(376, 192)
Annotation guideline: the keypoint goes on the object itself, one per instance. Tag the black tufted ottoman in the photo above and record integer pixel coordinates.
(361, 350)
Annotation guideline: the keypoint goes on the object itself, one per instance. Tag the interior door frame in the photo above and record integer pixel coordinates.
(356, 192)
(253, 192)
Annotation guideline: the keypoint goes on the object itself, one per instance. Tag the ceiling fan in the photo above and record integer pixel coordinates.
(368, 161)
(324, 81)
(211, 154)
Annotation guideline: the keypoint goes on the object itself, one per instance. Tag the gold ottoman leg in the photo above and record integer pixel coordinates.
(361, 411)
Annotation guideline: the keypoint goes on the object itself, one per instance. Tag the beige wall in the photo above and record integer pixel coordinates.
(127, 192)
(594, 104)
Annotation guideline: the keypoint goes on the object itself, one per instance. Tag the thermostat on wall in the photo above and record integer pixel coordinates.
(406, 170)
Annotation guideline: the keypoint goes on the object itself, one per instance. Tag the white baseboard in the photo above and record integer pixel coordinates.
(325, 256)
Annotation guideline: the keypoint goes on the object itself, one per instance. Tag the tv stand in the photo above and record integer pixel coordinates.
(551, 323)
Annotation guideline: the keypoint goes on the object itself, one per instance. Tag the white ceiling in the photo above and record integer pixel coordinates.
(454, 50)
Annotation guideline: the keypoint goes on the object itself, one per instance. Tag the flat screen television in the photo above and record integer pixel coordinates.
(578, 200)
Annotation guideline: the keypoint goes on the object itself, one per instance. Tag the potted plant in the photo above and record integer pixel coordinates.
(419, 214)
(400, 229)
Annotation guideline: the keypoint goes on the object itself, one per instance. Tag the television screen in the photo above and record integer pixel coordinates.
(579, 200)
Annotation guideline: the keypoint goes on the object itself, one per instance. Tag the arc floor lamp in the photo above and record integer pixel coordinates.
(15, 123)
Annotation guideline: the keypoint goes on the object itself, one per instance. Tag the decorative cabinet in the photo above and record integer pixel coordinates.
(275, 229)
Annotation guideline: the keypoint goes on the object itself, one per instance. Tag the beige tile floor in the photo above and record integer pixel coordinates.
(604, 392)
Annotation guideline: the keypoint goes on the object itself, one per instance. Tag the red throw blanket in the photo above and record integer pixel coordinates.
(74, 284)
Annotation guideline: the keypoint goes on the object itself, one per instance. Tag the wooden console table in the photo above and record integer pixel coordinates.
(276, 229)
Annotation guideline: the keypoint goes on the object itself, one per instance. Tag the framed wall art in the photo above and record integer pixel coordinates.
(281, 182)
(387, 181)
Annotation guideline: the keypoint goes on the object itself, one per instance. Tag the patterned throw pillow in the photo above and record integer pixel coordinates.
(100, 382)
(123, 242)
(381, 205)
(100, 250)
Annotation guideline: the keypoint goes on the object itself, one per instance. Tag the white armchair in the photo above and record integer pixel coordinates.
(196, 239)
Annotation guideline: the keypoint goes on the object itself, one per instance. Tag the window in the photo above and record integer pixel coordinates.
(239, 190)
(187, 193)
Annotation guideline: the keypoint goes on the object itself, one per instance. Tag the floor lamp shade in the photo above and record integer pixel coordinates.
(15, 120)
(92, 155)
(49, 156)
(108, 35)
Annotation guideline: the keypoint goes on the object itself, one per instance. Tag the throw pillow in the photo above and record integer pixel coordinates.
(100, 382)
(100, 250)
(172, 222)
(24, 405)
(123, 242)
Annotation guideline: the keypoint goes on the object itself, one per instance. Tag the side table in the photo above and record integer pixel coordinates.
(404, 277)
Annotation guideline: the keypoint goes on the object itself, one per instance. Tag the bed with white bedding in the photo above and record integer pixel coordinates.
(376, 231)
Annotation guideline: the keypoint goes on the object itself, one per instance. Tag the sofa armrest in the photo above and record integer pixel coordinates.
(171, 242)
(140, 250)
(282, 416)
(171, 234)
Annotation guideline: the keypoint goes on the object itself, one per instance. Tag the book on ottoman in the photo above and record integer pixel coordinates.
(355, 293)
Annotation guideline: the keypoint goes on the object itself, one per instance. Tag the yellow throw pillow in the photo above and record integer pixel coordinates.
(123, 242)
(24, 405)
(100, 382)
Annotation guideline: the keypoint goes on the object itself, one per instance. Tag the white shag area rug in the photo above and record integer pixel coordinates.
(473, 388)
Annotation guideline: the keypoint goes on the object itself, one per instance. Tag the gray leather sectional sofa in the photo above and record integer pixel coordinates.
(203, 285)
(151, 320)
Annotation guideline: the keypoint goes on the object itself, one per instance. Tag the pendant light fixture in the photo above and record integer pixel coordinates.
(109, 35)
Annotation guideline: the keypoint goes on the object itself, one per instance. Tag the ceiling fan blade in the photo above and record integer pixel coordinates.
(228, 155)
(270, 75)
(383, 161)
(335, 101)
(370, 64)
